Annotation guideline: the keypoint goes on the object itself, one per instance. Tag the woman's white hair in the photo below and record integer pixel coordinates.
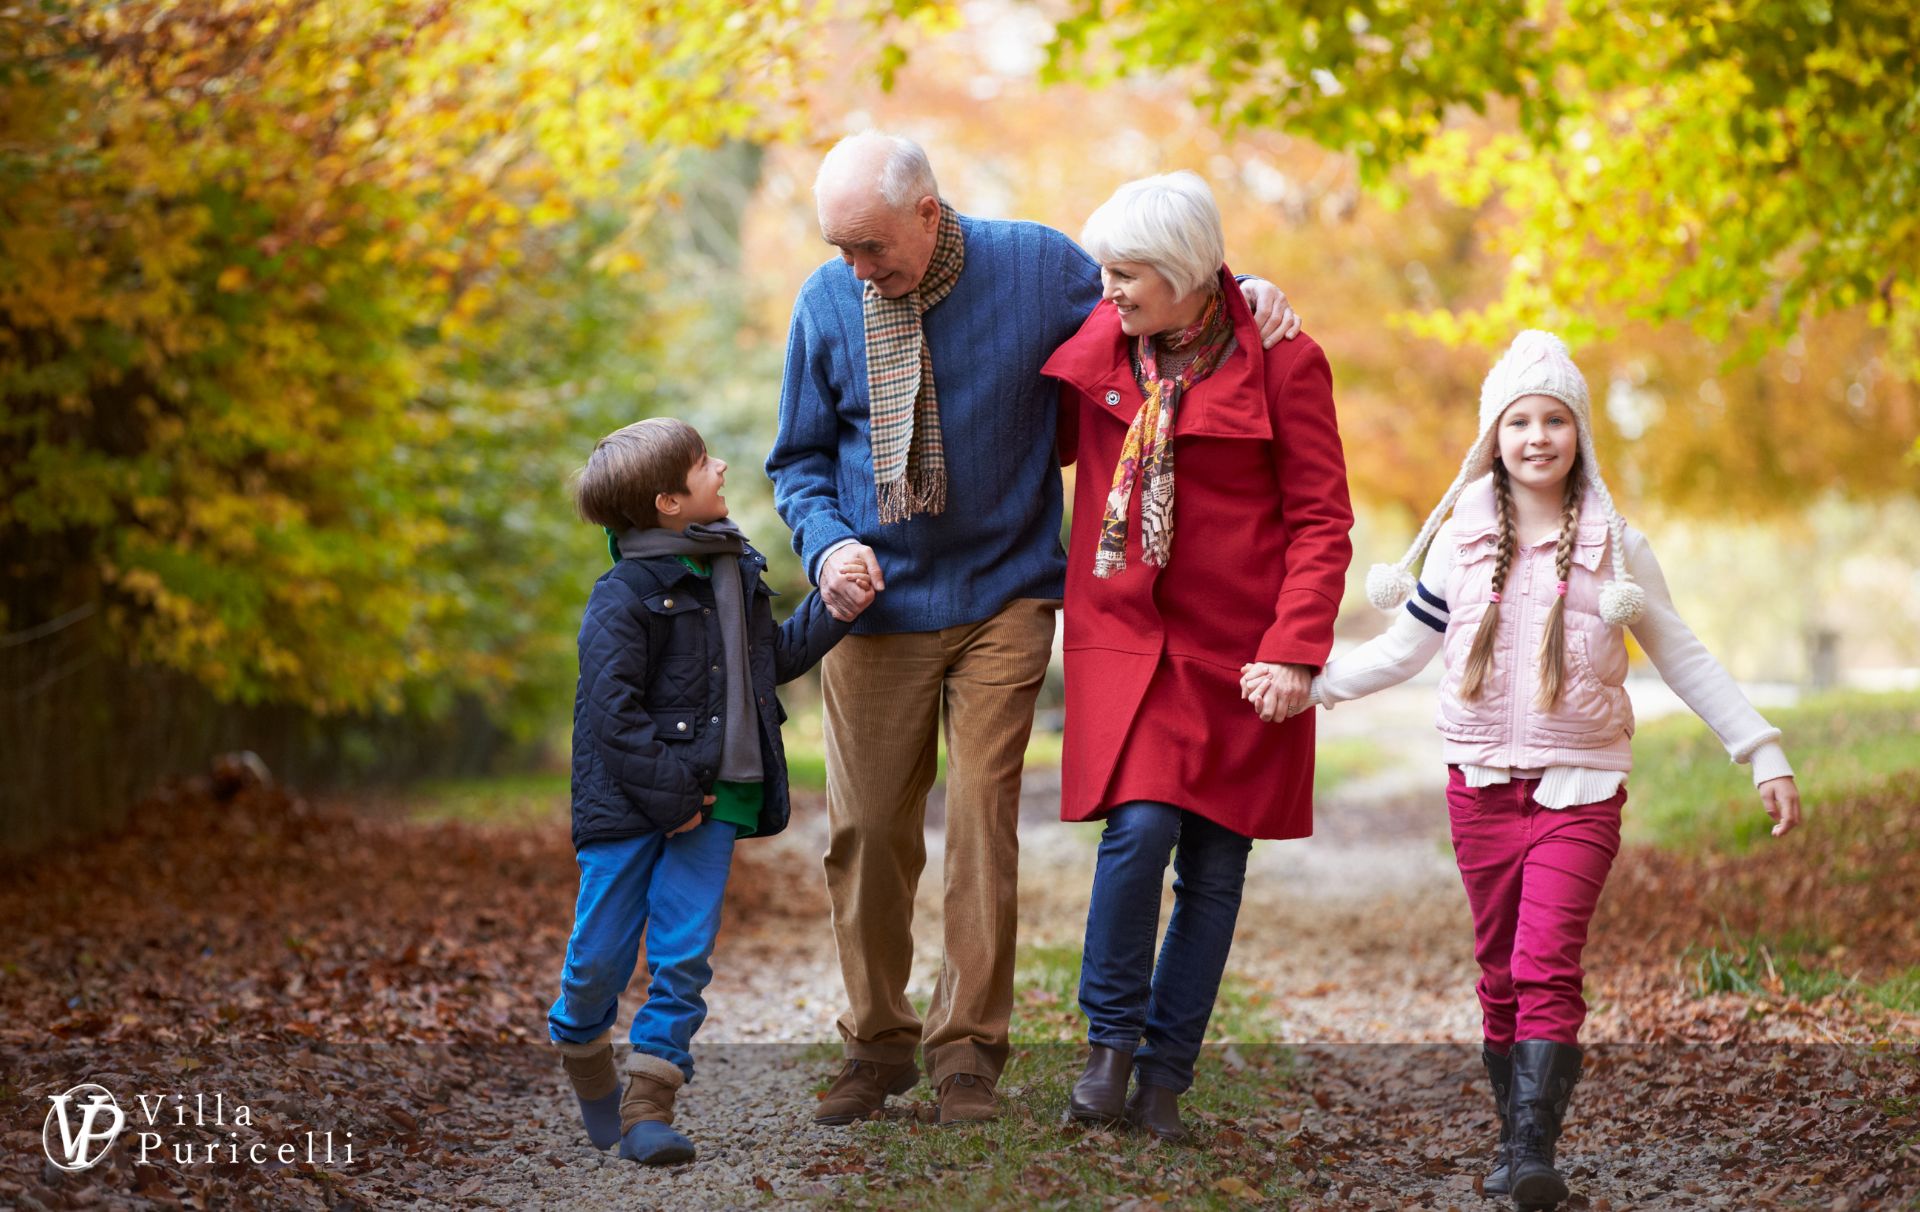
(906, 175)
(1169, 222)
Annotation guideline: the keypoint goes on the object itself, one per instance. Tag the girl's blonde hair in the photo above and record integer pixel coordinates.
(1553, 645)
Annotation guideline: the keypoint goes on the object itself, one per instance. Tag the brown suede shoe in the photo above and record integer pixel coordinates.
(967, 1098)
(862, 1088)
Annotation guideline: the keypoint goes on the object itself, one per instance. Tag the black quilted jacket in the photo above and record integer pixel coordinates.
(646, 716)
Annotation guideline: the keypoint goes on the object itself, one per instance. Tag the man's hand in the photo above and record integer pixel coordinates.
(1277, 692)
(692, 822)
(1781, 797)
(1271, 312)
(849, 577)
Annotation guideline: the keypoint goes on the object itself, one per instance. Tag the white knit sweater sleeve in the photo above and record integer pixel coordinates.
(1407, 644)
(1702, 682)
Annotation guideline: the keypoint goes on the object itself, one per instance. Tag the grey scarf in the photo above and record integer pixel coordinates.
(723, 542)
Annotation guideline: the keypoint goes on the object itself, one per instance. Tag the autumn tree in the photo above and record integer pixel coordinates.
(272, 278)
(1735, 165)
(306, 311)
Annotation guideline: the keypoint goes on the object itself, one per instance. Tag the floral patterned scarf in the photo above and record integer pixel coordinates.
(1147, 455)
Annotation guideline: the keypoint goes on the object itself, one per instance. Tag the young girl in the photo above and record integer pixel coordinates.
(1527, 588)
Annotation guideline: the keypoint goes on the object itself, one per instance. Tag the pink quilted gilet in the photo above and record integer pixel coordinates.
(1591, 724)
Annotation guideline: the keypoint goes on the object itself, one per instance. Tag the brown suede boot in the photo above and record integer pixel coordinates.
(596, 1082)
(651, 1085)
(967, 1098)
(862, 1088)
(646, 1113)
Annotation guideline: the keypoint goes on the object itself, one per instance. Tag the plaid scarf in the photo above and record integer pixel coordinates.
(909, 461)
(1147, 454)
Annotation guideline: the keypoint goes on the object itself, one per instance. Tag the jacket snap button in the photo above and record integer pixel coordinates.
(1113, 397)
(714, 720)
(706, 610)
(682, 725)
(668, 603)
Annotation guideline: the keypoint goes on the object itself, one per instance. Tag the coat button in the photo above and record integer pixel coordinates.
(682, 725)
(668, 604)
(706, 610)
(1113, 397)
(714, 720)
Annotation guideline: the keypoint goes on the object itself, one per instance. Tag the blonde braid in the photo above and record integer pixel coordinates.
(1480, 657)
(1553, 645)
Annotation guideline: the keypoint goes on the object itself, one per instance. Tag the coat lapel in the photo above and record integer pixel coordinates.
(1229, 403)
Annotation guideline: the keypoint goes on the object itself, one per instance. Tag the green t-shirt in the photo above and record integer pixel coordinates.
(738, 804)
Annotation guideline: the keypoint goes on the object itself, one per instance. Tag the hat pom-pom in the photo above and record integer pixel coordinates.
(1622, 603)
(1388, 586)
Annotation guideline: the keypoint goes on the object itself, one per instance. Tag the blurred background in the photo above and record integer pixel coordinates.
(308, 310)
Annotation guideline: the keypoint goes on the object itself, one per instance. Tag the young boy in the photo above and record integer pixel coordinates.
(676, 754)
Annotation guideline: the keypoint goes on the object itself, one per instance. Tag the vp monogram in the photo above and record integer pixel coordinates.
(81, 1148)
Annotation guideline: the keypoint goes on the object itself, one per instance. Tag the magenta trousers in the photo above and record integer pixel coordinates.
(1533, 877)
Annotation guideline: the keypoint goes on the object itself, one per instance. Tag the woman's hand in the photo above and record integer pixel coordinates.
(1277, 692)
(1781, 797)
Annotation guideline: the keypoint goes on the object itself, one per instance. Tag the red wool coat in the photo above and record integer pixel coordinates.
(1258, 564)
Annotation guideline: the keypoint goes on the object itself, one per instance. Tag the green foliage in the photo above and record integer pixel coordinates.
(1736, 165)
(307, 309)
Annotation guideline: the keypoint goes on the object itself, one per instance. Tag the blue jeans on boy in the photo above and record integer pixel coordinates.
(1159, 1012)
(671, 887)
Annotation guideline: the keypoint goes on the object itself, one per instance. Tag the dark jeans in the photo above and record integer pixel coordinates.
(1159, 1012)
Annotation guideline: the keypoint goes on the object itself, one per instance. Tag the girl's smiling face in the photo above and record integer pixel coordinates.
(1538, 441)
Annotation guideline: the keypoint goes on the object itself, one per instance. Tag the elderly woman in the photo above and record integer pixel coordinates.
(1168, 375)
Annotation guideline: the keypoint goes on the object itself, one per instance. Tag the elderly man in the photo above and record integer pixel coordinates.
(916, 446)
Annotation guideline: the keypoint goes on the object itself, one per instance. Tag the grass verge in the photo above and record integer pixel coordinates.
(1686, 795)
(1794, 966)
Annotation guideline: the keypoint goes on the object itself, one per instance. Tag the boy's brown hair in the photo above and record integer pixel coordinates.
(630, 467)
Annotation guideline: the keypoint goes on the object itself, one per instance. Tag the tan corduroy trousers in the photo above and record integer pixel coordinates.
(885, 696)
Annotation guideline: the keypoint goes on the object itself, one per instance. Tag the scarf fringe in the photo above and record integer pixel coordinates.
(923, 492)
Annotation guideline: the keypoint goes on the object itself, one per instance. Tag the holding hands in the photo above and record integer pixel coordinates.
(1277, 692)
(849, 579)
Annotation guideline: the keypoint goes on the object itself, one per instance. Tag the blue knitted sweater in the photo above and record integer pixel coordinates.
(1024, 290)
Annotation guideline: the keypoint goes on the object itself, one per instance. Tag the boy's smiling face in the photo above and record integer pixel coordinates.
(701, 502)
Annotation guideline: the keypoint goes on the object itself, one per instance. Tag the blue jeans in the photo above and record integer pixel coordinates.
(671, 887)
(1159, 1012)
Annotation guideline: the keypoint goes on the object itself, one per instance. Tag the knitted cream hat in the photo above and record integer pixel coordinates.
(1536, 363)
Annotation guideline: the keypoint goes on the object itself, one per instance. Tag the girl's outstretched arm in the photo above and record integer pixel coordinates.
(1704, 685)
(1397, 653)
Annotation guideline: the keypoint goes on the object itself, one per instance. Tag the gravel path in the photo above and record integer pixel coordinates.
(1361, 939)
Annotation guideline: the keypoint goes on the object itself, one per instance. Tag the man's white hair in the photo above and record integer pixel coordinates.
(906, 175)
(1169, 222)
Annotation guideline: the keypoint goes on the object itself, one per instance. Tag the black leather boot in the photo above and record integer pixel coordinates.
(1100, 1096)
(1500, 1077)
(1544, 1074)
(1156, 1109)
